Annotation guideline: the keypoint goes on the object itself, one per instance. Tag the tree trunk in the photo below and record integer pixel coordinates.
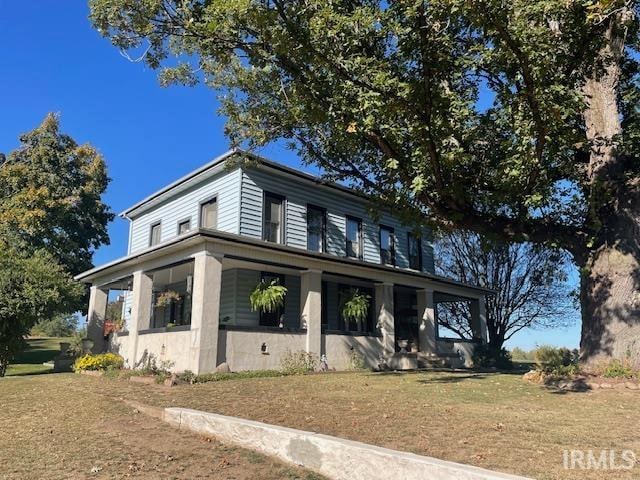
(610, 301)
(610, 273)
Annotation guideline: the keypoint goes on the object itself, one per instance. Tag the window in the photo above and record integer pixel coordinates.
(316, 229)
(354, 237)
(184, 227)
(154, 237)
(273, 218)
(171, 297)
(272, 319)
(209, 214)
(387, 246)
(415, 252)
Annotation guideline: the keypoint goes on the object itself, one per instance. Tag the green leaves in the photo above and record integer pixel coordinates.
(356, 306)
(267, 296)
(460, 109)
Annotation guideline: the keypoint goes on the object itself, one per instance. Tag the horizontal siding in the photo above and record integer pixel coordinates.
(247, 281)
(255, 182)
(186, 205)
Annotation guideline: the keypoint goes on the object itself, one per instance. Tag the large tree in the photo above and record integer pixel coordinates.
(514, 118)
(530, 284)
(52, 218)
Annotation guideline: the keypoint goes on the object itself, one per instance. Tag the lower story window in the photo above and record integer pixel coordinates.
(171, 300)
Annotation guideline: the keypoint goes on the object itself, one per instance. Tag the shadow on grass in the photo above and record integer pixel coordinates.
(455, 378)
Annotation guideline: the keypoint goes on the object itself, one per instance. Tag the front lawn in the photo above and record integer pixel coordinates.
(61, 426)
(494, 421)
(39, 351)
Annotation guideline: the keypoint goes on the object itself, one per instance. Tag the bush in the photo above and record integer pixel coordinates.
(519, 354)
(58, 326)
(357, 361)
(557, 361)
(101, 361)
(298, 363)
(75, 346)
(190, 377)
(618, 369)
(484, 356)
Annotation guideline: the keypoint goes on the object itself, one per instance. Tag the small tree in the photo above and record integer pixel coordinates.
(530, 284)
(61, 325)
(32, 287)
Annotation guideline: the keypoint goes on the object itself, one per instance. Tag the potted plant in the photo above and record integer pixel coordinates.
(356, 307)
(165, 299)
(267, 296)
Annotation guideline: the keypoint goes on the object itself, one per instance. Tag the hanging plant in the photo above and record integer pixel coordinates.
(356, 308)
(166, 298)
(267, 297)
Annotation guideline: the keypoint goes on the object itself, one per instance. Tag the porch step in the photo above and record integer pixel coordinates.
(440, 360)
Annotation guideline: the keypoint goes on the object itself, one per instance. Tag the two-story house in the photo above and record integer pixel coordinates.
(199, 247)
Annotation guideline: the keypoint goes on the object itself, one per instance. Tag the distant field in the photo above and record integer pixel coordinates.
(30, 361)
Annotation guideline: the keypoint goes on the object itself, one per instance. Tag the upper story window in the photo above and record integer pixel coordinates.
(316, 229)
(387, 246)
(415, 252)
(354, 237)
(209, 214)
(273, 218)
(155, 235)
(184, 226)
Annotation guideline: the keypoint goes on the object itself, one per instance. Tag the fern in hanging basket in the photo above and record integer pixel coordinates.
(267, 296)
(166, 298)
(356, 308)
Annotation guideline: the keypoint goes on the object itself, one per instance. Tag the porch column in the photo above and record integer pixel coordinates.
(479, 319)
(141, 298)
(311, 309)
(385, 316)
(205, 311)
(96, 314)
(426, 321)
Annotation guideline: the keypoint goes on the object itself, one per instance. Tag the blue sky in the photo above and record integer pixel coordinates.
(52, 60)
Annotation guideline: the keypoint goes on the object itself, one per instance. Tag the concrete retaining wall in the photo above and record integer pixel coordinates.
(333, 457)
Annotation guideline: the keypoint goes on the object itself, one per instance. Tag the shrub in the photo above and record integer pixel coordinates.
(618, 369)
(557, 361)
(356, 361)
(102, 361)
(190, 377)
(75, 345)
(58, 326)
(298, 363)
(519, 354)
(484, 356)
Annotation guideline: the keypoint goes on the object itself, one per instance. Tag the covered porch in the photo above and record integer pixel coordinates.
(187, 304)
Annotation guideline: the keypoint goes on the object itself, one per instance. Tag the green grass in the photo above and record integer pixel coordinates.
(39, 351)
